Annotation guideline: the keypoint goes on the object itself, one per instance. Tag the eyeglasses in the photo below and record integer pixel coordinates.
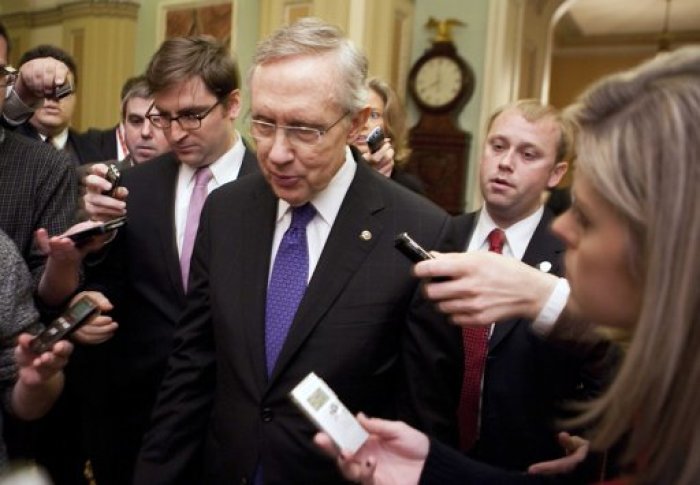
(263, 131)
(8, 76)
(188, 121)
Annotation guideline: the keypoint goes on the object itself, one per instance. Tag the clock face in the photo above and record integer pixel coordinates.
(438, 81)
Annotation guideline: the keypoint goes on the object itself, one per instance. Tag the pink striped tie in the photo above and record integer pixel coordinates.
(199, 194)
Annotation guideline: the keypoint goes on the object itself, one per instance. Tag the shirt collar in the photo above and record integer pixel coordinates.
(226, 168)
(327, 202)
(59, 141)
(518, 235)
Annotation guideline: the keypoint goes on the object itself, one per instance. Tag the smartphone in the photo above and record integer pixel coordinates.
(63, 90)
(411, 249)
(113, 176)
(322, 406)
(71, 320)
(375, 139)
(82, 237)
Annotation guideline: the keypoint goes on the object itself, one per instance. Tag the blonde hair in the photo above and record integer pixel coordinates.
(639, 146)
(533, 110)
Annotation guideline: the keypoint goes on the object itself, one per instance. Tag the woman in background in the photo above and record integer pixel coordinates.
(388, 113)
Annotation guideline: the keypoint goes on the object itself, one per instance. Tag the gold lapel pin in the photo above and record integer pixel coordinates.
(365, 235)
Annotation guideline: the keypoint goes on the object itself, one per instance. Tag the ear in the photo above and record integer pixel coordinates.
(557, 173)
(358, 123)
(233, 104)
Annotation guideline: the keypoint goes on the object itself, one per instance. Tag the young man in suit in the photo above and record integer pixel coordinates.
(195, 86)
(357, 313)
(523, 380)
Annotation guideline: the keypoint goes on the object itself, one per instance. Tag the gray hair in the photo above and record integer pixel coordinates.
(312, 36)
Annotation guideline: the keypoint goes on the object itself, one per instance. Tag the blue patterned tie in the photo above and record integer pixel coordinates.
(287, 283)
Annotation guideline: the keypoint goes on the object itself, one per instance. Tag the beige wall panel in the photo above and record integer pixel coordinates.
(99, 35)
(104, 49)
(50, 34)
(572, 73)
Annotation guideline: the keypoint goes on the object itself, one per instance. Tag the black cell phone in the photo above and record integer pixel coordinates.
(82, 237)
(375, 139)
(71, 320)
(63, 90)
(113, 176)
(411, 249)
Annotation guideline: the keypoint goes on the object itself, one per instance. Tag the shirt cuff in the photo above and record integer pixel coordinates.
(552, 309)
(15, 110)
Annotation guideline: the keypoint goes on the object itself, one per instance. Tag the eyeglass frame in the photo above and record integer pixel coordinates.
(10, 74)
(198, 117)
(295, 129)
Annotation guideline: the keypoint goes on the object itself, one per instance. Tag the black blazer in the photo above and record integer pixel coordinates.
(140, 274)
(105, 141)
(359, 317)
(527, 378)
(81, 149)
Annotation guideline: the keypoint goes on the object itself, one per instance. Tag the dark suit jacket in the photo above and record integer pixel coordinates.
(105, 141)
(527, 378)
(359, 313)
(140, 274)
(81, 149)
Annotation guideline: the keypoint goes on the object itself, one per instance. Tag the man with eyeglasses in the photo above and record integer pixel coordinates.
(294, 271)
(195, 87)
(134, 140)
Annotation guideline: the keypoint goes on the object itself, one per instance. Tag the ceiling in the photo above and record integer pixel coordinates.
(625, 17)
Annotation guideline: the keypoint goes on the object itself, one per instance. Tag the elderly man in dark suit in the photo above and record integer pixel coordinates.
(195, 86)
(350, 311)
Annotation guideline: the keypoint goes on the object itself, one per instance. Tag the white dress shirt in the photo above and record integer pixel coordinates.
(327, 204)
(518, 237)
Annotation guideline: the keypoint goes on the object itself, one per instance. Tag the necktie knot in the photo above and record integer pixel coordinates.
(497, 239)
(202, 176)
(302, 215)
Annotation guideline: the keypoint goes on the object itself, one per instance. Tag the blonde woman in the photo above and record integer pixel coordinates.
(632, 263)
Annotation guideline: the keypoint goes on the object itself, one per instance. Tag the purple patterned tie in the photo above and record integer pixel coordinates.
(287, 283)
(199, 194)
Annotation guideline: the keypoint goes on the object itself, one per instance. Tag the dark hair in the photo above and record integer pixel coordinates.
(46, 50)
(182, 58)
(5, 35)
(134, 87)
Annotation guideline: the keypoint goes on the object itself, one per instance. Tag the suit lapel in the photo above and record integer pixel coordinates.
(344, 252)
(255, 267)
(543, 247)
(164, 209)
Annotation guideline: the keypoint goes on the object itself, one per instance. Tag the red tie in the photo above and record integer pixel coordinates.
(476, 345)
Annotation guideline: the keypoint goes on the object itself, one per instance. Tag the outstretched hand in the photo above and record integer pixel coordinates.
(38, 79)
(101, 207)
(35, 370)
(394, 454)
(576, 451)
(483, 287)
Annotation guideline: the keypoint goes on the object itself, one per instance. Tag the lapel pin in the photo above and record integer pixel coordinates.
(365, 235)
(545, 266)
